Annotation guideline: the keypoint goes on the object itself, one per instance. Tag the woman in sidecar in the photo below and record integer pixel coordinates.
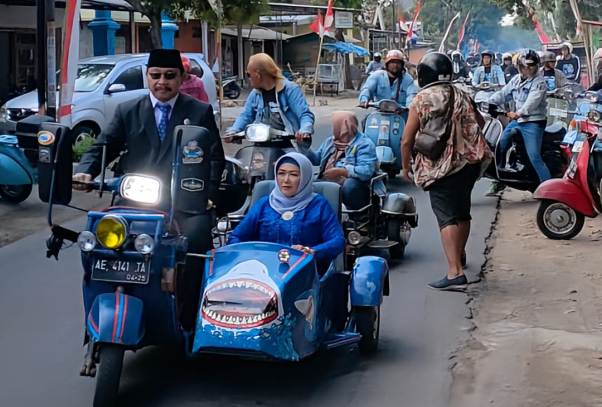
(260, 298)
(294, 215)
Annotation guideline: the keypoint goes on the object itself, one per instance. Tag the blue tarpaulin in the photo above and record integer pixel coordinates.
(346, 48)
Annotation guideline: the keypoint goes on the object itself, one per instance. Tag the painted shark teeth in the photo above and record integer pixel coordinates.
(215, 309)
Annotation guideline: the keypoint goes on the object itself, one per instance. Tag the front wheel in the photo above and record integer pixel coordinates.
(367, 324)
(15, 193)
(108, 374)
(558, 221)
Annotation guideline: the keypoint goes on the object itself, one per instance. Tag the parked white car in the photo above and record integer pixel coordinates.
(103, 83)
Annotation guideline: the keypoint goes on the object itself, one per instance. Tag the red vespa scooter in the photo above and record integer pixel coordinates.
(567, 201)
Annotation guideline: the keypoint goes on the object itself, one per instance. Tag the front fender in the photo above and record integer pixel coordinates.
(116, 318)
(567, 192)
(369, 280)
(14, 171)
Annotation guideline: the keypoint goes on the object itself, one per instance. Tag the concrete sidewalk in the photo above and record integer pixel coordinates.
(537, 334)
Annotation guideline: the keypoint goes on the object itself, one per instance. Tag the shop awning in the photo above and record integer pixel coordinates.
(346, 48)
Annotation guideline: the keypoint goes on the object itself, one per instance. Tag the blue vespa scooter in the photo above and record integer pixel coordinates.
(257, 298)
(16, 172)
(385, 128)
(18, 160)
(132, 256)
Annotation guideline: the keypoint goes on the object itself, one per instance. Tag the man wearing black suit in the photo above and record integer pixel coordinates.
(142, 132)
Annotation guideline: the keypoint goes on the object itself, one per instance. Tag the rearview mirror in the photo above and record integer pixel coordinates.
(116, 88)
(55, 163)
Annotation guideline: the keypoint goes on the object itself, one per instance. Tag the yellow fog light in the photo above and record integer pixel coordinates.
(111, 231)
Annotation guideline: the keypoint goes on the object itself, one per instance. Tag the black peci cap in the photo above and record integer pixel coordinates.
(165, 58)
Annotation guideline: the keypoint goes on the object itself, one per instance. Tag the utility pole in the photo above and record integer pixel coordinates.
(41, 51)
(46, 63)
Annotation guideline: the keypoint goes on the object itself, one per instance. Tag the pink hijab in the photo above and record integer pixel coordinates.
(344, 128)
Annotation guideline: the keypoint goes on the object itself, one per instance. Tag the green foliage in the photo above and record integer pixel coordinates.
(81, 147)
(235, 11)
(560, 10)
(483, 23)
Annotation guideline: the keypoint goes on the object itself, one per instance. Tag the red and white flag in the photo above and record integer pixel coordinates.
(329, 18)
(69, 61)
(318, 25)
(411, 29)
(462, 31)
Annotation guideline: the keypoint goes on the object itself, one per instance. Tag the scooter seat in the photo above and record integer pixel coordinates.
(554, 132)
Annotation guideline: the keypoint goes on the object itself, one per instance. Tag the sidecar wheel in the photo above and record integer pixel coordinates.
(559, 221)
(398, 231)
(15, 193)
(108, 374)
(367, 324)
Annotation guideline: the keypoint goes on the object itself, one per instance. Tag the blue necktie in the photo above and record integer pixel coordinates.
(162, 128)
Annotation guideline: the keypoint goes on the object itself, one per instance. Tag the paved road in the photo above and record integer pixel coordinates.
(41, 338)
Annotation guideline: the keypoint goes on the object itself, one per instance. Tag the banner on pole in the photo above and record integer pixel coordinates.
(69, 61)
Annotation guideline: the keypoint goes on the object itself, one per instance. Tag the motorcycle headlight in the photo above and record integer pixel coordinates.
(144, 244)
(111, 231)
(388, 106)
(258, 161)
(140, 188)
(258, 133)
(354, 238)
(86, 241)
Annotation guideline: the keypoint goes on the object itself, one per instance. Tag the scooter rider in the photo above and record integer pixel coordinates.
(274, 101)
(528, 90)
(568, 63)
(391, 83)
(375, 64)
(508, 67)
(554, 77)
(348, 158)
(142, 130)
(488, 71)
(459, 65)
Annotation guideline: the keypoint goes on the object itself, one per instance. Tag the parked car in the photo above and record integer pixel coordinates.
(103, 83)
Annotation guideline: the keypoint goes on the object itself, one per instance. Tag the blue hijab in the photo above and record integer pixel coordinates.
(281, 203)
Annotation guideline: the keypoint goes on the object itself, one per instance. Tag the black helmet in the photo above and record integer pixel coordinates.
(434, 67)
(528, 57)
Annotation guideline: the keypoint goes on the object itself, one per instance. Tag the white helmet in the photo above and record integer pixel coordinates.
(377, 55)
(506, 55)
(568, 45)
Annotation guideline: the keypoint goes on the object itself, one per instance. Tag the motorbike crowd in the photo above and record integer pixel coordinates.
(282, 250)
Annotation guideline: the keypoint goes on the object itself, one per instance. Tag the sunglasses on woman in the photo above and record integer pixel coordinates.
(169, 75)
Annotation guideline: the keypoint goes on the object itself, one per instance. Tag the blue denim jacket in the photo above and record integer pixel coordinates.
(496, 76)
(529, 96)
(291, 100)
(360, 158)
(378, 87)
(316, 226)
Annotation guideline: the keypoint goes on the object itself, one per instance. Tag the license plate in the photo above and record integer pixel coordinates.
(121, 271)
(578, 146)
(558, 112)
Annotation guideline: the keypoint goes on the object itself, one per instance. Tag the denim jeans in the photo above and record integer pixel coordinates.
(532, 133)
(356, 193)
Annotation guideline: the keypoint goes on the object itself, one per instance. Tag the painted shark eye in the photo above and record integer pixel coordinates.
(240, 304)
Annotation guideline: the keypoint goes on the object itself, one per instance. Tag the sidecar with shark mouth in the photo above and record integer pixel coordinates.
(265, 300)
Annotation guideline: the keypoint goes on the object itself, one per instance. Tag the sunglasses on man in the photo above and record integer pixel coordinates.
(169, 75)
